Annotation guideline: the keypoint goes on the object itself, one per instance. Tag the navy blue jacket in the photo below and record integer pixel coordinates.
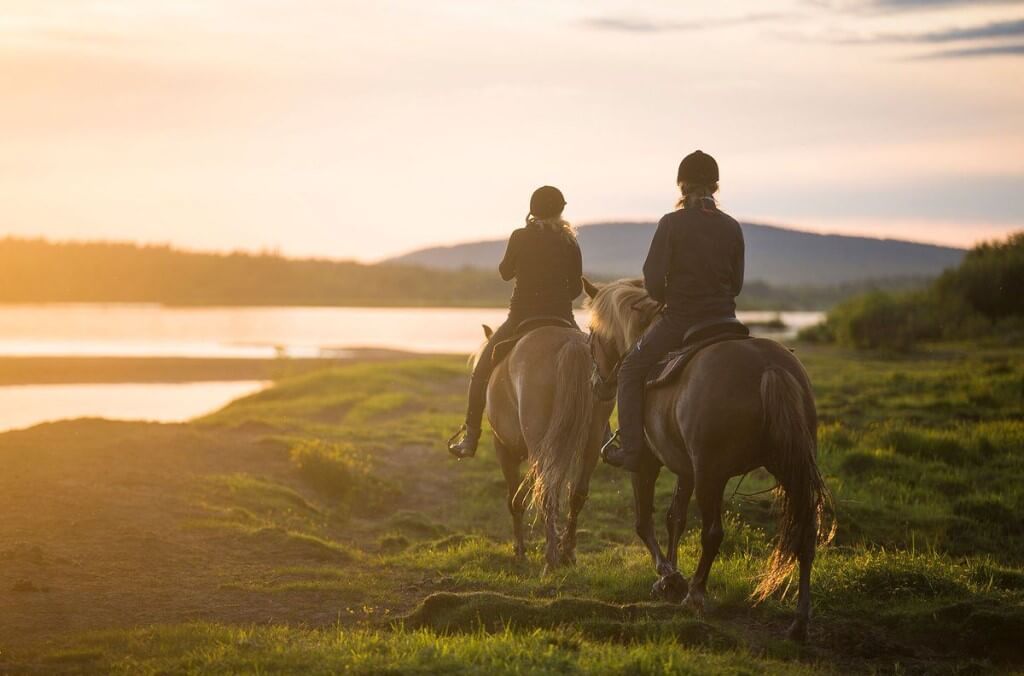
(695, 264)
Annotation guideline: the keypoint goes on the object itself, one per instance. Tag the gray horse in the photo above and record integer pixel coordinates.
(542, 410)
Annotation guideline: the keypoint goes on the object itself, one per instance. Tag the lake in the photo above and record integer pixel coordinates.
(85, 330)
(127, 330)
(26, 405)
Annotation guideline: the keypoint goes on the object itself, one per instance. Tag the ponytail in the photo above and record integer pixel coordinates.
(554, 224)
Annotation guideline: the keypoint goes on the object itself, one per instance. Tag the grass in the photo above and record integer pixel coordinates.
(356, 507)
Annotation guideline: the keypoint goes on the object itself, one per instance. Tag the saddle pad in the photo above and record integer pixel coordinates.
(666, 371)
(524, 327)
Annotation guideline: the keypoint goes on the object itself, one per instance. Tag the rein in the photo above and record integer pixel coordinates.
(605, 386)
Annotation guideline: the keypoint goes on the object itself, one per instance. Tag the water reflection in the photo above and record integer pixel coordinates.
(26, 405)
(263, 332)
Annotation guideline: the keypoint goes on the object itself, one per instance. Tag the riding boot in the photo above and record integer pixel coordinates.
(615, 455)
(466, 446)
(470, 431)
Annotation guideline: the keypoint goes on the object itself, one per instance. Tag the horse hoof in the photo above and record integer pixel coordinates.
(797, 631)
(671, 588)
(695, 603)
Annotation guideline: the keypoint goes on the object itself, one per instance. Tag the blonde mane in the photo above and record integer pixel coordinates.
(621, 311)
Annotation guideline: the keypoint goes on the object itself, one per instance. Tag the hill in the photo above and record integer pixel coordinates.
(37, 271)
(777, 256)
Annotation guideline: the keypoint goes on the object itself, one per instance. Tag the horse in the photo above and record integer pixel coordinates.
(736, 406)
(542, 409)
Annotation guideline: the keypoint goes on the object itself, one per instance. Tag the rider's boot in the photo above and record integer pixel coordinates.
(616, 455)
(464, 447)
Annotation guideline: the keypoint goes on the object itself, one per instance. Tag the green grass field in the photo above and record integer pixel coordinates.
(320, 527)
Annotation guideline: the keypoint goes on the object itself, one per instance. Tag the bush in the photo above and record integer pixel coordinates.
(984, 296)
(990, 279)
(332, 468)
(880, 320)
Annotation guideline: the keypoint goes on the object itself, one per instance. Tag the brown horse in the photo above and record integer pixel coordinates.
(542, 409)
(738, 405)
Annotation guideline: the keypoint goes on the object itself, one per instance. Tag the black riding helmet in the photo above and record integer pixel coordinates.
(698, 167)
(546, 202)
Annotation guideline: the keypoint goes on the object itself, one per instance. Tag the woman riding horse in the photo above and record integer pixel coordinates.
(544, 259)
(695, 269)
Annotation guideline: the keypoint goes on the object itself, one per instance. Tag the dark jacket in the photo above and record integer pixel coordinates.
(695, 264)
(548, 269)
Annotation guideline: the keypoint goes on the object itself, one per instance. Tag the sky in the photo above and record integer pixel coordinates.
(362, 130)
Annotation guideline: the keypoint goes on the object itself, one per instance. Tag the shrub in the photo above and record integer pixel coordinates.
(882, 320)
(982, 297)
(990, 279)
(332, 468)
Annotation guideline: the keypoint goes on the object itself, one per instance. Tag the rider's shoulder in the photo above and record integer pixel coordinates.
(670, 218)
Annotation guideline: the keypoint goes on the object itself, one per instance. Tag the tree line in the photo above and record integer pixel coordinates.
(982, 298)
(38, 271)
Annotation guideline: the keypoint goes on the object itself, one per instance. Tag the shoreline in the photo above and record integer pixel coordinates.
(98, 370)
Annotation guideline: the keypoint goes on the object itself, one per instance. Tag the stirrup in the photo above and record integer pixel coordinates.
(611, 442)
(612, 453)
(457, 443)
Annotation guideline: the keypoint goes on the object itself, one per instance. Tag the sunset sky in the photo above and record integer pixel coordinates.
(366, 129)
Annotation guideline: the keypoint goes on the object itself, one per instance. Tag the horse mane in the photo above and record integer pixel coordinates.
(621, 311)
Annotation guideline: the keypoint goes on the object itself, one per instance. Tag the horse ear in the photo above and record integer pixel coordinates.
(590, 288)
(488, 331)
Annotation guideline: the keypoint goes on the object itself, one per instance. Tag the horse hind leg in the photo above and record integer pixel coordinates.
(517, 497)
(552, 555)
(577, 499)
(798, 630)
(709, 500)
(673, 586)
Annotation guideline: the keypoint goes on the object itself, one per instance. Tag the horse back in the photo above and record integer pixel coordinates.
(712, 419)
(523, 386)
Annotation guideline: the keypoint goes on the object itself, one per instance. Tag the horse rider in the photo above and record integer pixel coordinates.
(545, 260)
(695, 269)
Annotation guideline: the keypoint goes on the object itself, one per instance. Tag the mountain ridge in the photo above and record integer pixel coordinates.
(775, 255)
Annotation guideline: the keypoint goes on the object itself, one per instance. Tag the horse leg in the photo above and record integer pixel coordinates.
(516, 498)
(673, 586)
(675, 520)
(567, 548)
(643, 498)
(551, 552)
(709, 499)
(798, 630)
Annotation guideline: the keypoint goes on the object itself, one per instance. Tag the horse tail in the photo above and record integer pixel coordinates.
(806, 516)
(557, 461)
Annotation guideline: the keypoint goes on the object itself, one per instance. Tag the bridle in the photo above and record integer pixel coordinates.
(605, 387)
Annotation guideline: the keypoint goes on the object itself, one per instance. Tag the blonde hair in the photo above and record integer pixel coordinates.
(552, 224)
(693, 193)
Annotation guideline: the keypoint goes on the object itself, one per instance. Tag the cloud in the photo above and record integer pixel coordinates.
(628, 24)
(989, 31)
(905, 5)
(983, 36)
(930, 4)
(996, 29)
(973, 52)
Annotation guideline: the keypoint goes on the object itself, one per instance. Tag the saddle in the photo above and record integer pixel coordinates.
(502, 349)
(701, 335)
